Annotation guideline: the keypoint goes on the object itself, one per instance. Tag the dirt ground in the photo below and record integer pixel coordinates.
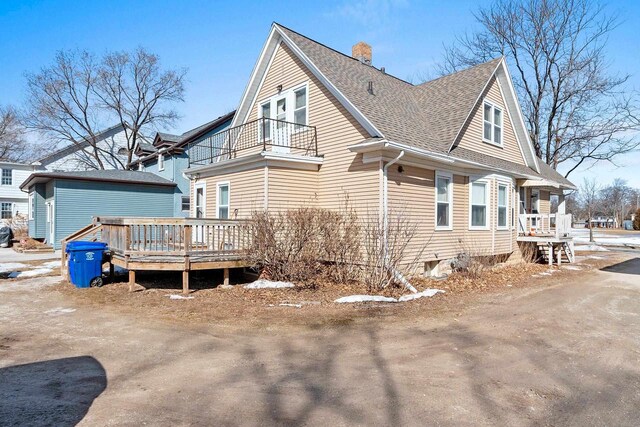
(557, 348)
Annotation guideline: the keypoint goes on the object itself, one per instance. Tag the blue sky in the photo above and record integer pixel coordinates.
(219, 42)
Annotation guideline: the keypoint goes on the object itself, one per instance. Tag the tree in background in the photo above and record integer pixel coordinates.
(615, 198)
(636, 220)
(79, 95)
(589, 195)
(575, 109)
(13, 144)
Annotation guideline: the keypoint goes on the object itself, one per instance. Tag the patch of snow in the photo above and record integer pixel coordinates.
(30, 273)
(610, 238)
(590, 248)
(10, 266)
(175, 296)
(60, 310)
(52, 264)
(594, 257)
(364, 298)
(572, 267)
(268, 284)
(286, 304)
(425, 293)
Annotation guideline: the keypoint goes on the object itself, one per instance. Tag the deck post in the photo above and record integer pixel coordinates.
(185, 275)
(111, 271)
(226, 276)
(132, 280)
(550, 254)
(185, 282)
(559, 255)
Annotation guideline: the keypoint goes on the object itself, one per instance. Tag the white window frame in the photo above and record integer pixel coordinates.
(2, 171)
(449, 176)
(290, 96)
(487, 191)
(160, 162)
(194, 205)
(492, 139)
(228, 205)
(31, 201)
(140, 167)
(507, 187)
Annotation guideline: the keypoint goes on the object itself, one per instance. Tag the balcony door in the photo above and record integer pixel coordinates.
(288, 111)
(281, 133)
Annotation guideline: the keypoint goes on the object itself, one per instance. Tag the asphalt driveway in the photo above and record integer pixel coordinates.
(562, 355)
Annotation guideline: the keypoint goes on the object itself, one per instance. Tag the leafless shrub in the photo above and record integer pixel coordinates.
(386, 242)
(529, 251)
(311, 244)
(473, 259)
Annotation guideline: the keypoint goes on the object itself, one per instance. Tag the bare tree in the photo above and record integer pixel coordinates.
(80, 95)
(575, 110)
(139, 92)
(589, 194)
(615, 198)
(13, 144)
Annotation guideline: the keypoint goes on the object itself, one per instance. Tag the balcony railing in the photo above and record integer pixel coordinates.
(544, 225)
(253, 137)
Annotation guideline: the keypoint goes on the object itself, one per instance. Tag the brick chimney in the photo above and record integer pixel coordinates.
(362, 52)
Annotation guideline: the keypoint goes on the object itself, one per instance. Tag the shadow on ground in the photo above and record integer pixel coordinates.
(55, 392)
(630, 266)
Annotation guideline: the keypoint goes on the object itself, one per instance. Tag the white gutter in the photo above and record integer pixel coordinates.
(385, 223)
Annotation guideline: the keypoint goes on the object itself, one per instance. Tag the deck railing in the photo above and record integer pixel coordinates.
(257, 135)
(175, 236)
(557, 225)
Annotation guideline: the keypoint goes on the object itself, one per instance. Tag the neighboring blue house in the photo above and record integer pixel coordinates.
(64, 202)
(168, 157)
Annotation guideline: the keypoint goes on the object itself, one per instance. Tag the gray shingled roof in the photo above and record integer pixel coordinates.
(123, 176)
(404, 112)
(400, 110)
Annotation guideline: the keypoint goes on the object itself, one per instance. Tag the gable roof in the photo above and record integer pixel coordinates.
(429, 116)
(114, 175)
(177, 142)
(73, 147)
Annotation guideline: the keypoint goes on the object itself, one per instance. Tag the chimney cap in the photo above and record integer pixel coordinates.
(362, 52)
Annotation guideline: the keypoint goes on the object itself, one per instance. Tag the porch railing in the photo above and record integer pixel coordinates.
(175, 236)
(257, 135)
(558, 225)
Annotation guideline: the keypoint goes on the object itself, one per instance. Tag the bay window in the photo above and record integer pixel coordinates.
(502, 205)
(479, 205)
(443, 201)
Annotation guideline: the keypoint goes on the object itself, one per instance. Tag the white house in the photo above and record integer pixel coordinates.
(78, 157)
(13, 202)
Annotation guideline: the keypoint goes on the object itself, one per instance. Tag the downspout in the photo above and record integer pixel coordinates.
(385, 224)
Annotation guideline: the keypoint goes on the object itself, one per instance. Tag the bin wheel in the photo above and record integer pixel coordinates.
(96, 282)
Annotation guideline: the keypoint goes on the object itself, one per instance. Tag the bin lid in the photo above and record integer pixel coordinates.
(86, 246)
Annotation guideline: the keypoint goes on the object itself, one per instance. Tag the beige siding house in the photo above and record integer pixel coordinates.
(315, 126)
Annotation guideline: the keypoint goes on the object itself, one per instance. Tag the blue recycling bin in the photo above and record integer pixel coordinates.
(85, 263)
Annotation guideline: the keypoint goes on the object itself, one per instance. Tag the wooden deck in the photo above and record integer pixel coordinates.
(169, 244)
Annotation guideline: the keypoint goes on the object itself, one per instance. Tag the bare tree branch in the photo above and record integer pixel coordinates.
(78, 96)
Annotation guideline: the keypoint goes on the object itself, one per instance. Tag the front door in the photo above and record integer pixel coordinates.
(281, 134)
(200, 211)
(49, 206)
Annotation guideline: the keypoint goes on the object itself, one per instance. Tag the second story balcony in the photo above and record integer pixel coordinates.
(253, 137)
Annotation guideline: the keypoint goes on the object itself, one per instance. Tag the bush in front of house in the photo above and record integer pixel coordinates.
(307, 245)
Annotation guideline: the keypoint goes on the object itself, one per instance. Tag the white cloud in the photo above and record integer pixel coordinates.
(369, 12)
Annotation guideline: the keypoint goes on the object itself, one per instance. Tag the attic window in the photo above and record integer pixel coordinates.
(492, 129)
(161, 162)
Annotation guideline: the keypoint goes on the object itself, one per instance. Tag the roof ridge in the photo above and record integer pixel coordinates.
(344, 54)
(459, 71)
